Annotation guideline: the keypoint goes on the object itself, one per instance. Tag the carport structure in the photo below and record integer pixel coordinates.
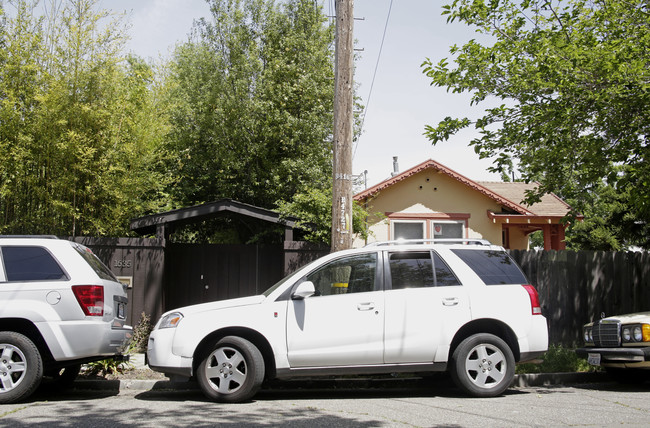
(197, 273)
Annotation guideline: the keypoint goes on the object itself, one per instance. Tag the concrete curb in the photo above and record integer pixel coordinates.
(522, 381)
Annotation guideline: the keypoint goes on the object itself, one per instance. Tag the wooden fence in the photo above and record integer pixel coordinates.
(576, 287)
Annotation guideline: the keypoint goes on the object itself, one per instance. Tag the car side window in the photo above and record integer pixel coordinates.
(31, 264)
(493, 267)
(419, 269)
(444, 276)
(353, 274)
(411, 270)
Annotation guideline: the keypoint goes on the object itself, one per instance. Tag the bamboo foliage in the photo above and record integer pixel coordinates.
(74, 159)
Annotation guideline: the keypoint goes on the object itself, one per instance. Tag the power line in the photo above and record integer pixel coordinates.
(374, 75)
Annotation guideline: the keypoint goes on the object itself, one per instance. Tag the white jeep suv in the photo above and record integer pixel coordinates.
(59, 307)
(392, 307)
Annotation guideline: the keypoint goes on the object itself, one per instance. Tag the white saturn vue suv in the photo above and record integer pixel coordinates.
(391, 307)
(60, 306)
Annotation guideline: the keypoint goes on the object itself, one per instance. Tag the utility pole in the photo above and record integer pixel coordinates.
(343, 131)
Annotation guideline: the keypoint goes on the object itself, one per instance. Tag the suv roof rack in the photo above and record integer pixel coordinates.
(475, 241)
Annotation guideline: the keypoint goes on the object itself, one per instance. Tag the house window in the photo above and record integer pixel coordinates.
(407, 229)
(447, 229)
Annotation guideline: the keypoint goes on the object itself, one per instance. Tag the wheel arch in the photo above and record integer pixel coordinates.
(491, 326)
(253, 336)
(28, 328)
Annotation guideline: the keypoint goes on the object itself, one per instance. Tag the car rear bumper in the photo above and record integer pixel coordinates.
(85, 339)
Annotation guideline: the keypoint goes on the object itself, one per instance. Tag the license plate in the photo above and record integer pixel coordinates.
(121, 310)
(593, 359)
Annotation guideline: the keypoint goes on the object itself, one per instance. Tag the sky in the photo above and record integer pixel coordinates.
(402, 101)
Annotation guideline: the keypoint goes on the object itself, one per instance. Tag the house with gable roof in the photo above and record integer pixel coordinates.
(432, 201)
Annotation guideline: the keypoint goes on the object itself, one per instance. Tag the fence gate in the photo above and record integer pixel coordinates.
(199, 273)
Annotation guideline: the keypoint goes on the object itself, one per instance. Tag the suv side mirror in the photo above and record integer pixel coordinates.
(304, 290)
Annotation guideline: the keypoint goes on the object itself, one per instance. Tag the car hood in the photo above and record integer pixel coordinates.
(631, 318)
(221, 304)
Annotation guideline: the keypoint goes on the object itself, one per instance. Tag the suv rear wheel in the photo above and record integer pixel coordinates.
(483, 365)
(232, 372)
(21, 367)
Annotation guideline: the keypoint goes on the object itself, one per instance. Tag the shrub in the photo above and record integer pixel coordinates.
(557, 359)
(141, 333)
(106, 367)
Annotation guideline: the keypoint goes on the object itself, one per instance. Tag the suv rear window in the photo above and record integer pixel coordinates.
(31, 264)
(100, 268)
(493, 267)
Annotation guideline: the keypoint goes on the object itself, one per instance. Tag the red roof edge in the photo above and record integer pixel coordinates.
(431, 164)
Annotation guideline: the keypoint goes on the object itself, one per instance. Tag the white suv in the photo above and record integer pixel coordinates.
(59, 307)
(392, 307)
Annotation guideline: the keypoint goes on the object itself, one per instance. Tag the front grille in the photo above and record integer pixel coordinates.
(606, 333)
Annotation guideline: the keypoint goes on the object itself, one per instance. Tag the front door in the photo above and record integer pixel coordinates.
(342, 324)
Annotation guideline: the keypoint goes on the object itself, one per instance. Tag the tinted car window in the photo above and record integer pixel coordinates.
(411, 270)
(444, 275)
(353, 274)
(31, 264)
(414, 269)
(493, 267)
(100, 268)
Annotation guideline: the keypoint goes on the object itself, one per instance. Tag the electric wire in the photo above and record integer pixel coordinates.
(372, 82)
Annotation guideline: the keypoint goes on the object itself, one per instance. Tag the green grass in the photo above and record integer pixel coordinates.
(557, 359)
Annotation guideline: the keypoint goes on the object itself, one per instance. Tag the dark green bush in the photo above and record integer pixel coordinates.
(557, 359)
(141, 333)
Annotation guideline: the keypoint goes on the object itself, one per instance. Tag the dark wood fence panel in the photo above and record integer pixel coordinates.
(578, 287)
(196, 273)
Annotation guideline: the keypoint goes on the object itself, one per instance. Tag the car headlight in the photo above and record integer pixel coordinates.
(588, 335)
(626, 334)
(642, 333)
(170, 320)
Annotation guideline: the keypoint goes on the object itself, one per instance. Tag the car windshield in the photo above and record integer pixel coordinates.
(276, 285)
(286, 278)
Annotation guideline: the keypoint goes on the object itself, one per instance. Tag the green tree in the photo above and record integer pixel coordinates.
(252, 94)
(21, 85)
(80, 124)
(313, 209)
(574, 79)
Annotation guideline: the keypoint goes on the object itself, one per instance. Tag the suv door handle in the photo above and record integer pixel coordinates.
(450, 301)
(365, 306)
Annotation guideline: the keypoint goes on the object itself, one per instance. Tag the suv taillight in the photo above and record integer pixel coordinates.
(91, 299)
(534, 300)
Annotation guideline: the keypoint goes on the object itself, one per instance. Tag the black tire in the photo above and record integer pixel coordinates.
(483, 365)
(232, 371)
(21, 367)
(64, 377)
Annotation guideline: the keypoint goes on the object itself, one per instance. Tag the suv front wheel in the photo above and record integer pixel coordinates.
(21, 367)
(483, 365)
(232, 372)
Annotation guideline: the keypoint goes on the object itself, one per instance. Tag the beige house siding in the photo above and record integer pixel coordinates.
(431, 195)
